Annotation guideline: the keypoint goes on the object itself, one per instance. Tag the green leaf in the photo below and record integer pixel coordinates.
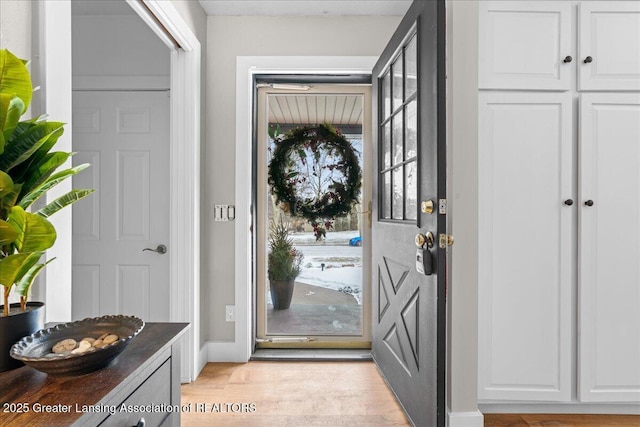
(51, 182)
(37, 174)
(24, 282)
(62, 201)
(6, 184)
(25, 141)
(14, 77)
(35, 233)
(11, 108)
(10, 267)
(9, 200)
(8, 234)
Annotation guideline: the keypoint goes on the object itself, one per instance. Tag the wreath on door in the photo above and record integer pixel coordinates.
(314, 174)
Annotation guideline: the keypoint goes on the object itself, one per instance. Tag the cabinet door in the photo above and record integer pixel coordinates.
(610, 36)
(526, 251)
(609, 246)
(523, 45)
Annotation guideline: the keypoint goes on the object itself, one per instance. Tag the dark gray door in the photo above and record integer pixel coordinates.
(409, 132)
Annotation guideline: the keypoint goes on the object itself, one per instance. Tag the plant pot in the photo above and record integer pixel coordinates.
(281, 293)
(17, 325)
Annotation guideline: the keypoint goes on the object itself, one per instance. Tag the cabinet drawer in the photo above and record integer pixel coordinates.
(156, 390)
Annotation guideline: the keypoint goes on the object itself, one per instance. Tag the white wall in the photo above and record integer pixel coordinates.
(117, 45)
(230, 37)
(15, 27)
(462, 193)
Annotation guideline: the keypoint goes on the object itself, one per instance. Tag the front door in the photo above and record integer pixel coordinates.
(408, 339)
(120, 237)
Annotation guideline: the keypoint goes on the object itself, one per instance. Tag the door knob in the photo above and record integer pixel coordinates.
(567, 59)
(588, 60)
(422, 239)
(589, 203)
(427, 207)
(161, 249)
(568, 202)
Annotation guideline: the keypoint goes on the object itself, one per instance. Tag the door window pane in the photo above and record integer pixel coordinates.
(411, 190)
(398, 93)
(386, 146)
(398, 194)
(397, 138)
(411, 131)
(411, 61)
(386, 95)
(386, 195)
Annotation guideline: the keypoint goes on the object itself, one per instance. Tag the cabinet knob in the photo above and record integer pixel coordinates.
(568, 202)
(567, 59)
(589, 202)
(588, 60)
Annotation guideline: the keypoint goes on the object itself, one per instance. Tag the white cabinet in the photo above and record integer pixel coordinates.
(610, 37)
(525, 259)
(524, 44)
(609, 262)
(531, 45)
(559, 202)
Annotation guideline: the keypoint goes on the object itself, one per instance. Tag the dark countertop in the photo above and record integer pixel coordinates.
(27, 389)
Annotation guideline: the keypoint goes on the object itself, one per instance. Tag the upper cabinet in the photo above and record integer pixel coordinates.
(609, 45)
(525, 45)
(530, 45)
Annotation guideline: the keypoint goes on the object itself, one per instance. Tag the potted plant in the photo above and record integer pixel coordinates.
(284, 263)
(28, 169)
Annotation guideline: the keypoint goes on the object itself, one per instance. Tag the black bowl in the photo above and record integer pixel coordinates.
(32, 350)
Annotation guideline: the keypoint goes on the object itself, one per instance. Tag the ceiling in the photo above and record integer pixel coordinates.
(314, 109)
(305, 7)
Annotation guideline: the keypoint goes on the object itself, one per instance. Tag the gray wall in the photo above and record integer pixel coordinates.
(228, 38)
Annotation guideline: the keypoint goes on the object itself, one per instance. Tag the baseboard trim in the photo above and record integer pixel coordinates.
(560, 408)
(224, 351)
(203, 358)
(465, 419)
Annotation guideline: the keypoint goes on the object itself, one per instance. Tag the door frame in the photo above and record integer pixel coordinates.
(163, 18)
(246, 68)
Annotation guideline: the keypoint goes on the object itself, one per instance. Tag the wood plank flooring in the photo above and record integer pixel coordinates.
(301, 394)
(296, 394)
(560, 420)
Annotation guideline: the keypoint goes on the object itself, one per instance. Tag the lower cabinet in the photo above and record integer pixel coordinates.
(559, 255)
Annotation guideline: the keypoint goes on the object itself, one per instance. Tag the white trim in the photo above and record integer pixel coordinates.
(203, 357)
(465, 419)
(185, 177)
(560, 408)
(246, 67)
(55, 72)
(121, 82)
(224, 351)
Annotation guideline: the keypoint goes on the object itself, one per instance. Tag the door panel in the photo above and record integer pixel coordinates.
(125, 137)
(409, 307)
(525, 259)
(609, 271)
(610, 36)
(523, 45)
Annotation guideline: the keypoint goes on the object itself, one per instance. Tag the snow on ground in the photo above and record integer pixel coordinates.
(332, 238)
(342, 264)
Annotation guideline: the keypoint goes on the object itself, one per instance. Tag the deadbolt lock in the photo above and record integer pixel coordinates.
(445, 240)
(427, 207)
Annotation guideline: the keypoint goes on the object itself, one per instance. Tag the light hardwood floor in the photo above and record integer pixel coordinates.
(296, 394)
(556, 420)
(301, 394)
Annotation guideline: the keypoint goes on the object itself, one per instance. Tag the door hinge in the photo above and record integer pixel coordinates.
(442, 206)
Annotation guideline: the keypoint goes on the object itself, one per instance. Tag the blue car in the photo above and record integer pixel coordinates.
(356, 241)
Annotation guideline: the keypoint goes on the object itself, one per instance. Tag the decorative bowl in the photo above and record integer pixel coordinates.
(33, 349)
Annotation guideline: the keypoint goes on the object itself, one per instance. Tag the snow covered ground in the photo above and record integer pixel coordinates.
(342, 263)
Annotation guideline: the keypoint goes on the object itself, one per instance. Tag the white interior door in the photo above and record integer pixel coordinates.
(526, 222)
(125, 136)
(609, 45)
(609, 267)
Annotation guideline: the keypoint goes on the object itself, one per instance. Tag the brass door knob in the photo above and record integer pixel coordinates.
(427, 207)
(445, 240)
(420, 240)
